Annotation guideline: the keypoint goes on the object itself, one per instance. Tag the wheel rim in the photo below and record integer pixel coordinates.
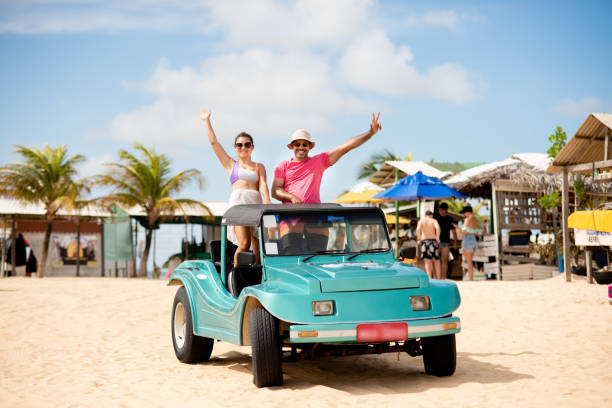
(180, 325)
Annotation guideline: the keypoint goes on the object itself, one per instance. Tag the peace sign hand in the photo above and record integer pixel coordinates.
(375, 126)
(205, 114)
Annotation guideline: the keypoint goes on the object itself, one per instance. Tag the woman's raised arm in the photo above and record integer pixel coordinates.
(226, 161)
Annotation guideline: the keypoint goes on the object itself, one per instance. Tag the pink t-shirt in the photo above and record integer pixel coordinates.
(303, 179)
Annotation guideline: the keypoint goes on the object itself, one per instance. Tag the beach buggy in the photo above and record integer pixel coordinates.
(328, 284)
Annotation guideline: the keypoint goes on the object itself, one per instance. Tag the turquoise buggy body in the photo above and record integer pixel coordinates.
(328, 282)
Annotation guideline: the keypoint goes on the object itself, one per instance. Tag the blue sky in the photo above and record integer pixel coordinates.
(455, 81)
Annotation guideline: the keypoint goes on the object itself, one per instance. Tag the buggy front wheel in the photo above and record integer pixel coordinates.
(188, 347)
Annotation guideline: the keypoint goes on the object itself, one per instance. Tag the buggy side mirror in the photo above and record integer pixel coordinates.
(246, 258)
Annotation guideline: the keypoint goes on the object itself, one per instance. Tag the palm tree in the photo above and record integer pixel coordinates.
(371, 166)
(45, 177)
(146, 182)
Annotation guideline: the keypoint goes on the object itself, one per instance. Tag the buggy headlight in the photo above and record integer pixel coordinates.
(419, 302)
(323, 308)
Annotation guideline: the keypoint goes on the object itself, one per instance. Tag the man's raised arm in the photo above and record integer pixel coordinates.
(337, 152)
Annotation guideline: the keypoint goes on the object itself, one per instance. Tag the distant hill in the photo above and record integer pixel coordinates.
(455, 167)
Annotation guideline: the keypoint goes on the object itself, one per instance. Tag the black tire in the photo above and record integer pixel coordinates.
(188, 347)
(266, 349)
(439, 355)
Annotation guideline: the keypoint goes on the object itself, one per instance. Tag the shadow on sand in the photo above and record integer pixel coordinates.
(387, 373)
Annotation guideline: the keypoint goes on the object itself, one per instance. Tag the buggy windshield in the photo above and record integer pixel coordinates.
(334, 233)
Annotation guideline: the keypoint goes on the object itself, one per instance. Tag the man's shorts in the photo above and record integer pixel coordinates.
(430, 249)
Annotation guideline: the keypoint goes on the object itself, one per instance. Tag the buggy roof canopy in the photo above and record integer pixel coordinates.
(250, 214)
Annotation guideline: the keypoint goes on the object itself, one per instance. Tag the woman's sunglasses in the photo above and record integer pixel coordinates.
(247, 145)
(303, 144)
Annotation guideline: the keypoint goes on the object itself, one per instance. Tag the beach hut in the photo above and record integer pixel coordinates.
(513, 186)
(66, 257)
(588, 152)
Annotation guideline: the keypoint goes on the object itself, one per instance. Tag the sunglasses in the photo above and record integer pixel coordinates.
(246, 145)
(298, 144)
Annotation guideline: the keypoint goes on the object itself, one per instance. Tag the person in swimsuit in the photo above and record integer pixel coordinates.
(469, 230)
(248, 180)
(428, 236)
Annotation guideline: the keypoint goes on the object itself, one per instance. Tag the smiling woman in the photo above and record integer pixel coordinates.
(248, 179)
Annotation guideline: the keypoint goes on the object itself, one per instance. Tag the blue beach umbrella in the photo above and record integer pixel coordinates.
(419, 187)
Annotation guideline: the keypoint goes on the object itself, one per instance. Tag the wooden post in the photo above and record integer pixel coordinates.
(607, 144)
(588, 263)
(135, 247)
(186, 241)
(13, 247)
(397, 241)
(564, 212)
(102, 247)
(78, 254)
(2, 268)
(496, 230)
(132, 272)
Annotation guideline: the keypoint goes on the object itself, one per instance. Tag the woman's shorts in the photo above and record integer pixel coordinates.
(243, 197)
(430, 249)
(469, 242)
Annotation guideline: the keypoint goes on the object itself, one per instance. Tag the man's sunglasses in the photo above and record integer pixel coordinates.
(298, 144)
(247, 145)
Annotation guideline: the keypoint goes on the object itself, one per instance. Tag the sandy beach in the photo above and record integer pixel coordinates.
(72, 342)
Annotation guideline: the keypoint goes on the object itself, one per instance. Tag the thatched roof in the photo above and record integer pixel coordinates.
(526, 170)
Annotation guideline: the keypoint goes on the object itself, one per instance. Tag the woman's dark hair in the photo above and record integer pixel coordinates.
(244, 134)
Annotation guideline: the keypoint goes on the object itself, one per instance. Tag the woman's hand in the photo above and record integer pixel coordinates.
(374, 125)
(205, 115)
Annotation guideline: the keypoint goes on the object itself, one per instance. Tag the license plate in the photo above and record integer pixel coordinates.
(382, 332)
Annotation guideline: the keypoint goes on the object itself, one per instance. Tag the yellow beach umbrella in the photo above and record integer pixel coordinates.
(597, 220)
(391, 219)
(360, 193)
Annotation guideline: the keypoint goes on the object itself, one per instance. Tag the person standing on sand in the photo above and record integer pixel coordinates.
(447, 228)
(469, 243)
(248, 183)
(428, 237)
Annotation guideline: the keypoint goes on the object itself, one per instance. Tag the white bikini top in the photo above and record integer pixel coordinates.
(238, 173)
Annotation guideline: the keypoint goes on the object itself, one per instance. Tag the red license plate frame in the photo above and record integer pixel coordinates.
(372, 332)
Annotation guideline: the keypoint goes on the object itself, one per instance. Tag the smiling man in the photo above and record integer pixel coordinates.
(298, 180)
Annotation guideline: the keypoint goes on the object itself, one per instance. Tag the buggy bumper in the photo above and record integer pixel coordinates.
(373, 332)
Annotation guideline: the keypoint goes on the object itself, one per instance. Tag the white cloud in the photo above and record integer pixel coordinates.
(290, 25)
(579, 108)
(256, 90)
(95, 165)
(77, 16)
(446, 19)
(373, 62)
